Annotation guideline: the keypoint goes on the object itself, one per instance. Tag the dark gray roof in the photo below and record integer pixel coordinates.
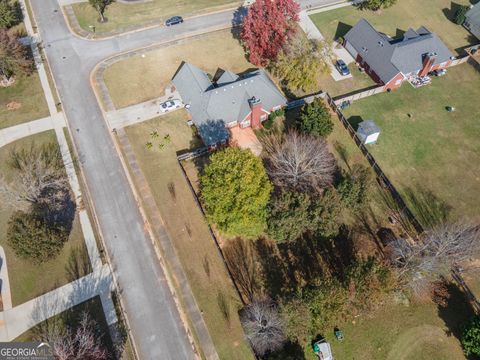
(227, 102)
(227, 77)
(388, 57)
(473, 15)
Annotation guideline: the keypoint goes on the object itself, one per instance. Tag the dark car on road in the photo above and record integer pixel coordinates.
(174, 20)
(342, 67)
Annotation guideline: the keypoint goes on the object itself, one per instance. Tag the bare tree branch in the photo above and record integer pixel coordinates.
(263, 326)
(299, 161)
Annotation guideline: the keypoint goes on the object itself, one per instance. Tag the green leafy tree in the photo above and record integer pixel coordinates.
(292, 214)
(376, 5)
(235, 190)
(354, 187)
(14, 57)
(471, 337)
(101, 6)
(460, 15)
(301, 62)
(315, 119)
(10, 13)
(326, 214)
(32, 238)
(296, 319)
(289, 216)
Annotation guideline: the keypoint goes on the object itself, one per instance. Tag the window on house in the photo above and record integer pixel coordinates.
(263, 117)
(398, 82)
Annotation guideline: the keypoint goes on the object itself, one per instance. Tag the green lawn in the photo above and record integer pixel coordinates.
(207, 276)
(122, 17)
(26, 100)
(434, 14)
(138, 78)
(356, 82)
(431, 155)
(400, 332)
(28, 280)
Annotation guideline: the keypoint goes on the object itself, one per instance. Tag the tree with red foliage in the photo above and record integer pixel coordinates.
(267, 28)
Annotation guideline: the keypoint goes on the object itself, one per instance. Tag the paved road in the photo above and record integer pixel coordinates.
(151, 311)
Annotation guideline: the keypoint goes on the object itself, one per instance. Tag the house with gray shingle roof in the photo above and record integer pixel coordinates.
(390, 61)
(472, 20)
(232, 100)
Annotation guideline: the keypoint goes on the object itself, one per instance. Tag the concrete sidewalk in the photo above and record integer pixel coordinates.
(19, 319)
(17, 132)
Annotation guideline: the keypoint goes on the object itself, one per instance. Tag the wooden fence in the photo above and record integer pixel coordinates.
(402, 207)
(377, 89)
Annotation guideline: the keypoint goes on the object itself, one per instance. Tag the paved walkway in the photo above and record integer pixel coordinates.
(17, 132)
(130, 115)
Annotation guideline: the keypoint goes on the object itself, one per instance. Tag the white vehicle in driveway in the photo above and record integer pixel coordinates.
(170, 105)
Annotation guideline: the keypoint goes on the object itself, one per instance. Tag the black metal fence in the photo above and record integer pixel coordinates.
(402, 207)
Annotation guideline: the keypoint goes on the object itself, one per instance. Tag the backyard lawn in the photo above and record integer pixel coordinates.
(140, 78)
(431, 155)
(122, 16)
(29, 280)
(404, 332)
(358, 81)
(22, 102)
(436, 15)
(207, 276)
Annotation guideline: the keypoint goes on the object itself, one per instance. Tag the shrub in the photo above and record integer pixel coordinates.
(471, 337)
(32, 238)
(315, 119)
(460, 15)
(354, 187)
(10, 13)
(235, 190)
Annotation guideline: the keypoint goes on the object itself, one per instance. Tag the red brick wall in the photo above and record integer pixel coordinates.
(256, 115)
(392, 83)
(369, 71)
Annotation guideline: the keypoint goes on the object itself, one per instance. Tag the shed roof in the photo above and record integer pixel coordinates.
(368, 127)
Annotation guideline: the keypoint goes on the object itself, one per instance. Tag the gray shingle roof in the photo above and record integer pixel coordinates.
(227, 102)
(472, 20)
(227, 77)
(387, 57)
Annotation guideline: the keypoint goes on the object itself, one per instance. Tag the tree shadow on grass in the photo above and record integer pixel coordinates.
(429, 209)
(450, 13)
(290, 351)
(78, 264)
(342, 30)
(456, 312)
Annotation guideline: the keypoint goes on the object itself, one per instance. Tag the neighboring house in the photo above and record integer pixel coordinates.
(391, 61)
(232, 100)
(472, 20)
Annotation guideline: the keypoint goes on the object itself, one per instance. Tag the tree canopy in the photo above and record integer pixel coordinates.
(14, 57)
(471, 337)
(10, 13)
(267, 28)
(315, 119)
(101, 6)
(301, 61)
(235, 190)
(376, 5)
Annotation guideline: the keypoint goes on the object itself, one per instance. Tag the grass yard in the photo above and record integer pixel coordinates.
(432, 156)
(356, 82)
(207, 276)
(28, 280)
(72, 318)
(138, 78)
(436, 15)
(22, 102)
(401, 332)
(122, 17)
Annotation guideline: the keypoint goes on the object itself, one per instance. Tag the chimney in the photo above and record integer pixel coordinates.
(428, 61)
(257, 112)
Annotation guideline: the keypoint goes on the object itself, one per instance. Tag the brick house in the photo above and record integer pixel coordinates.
(227, 102)
(472, 20)
(391, 61)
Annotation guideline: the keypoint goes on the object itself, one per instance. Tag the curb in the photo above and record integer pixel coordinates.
(72, 23)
